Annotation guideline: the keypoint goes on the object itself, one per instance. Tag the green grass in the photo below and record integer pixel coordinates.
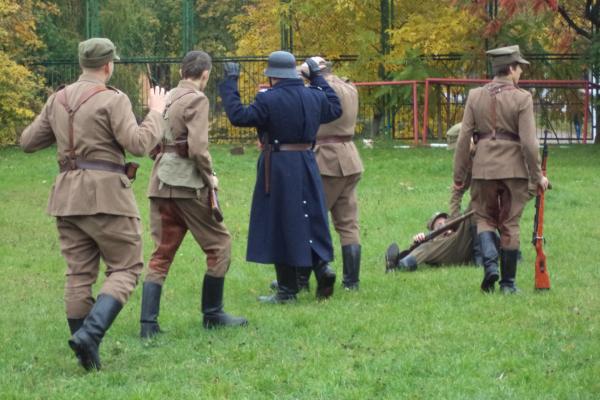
(424, 335)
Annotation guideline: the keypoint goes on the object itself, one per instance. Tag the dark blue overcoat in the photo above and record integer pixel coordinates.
(290, 223)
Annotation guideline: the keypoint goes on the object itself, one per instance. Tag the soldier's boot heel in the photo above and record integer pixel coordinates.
(489, 253)
(325, 280)
(86, 341)
(391, 257)
(212, 305)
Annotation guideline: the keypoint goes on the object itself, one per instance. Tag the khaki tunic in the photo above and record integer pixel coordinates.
(175, 210)
(95, 207)
(455, 248)
(507, 166)
(340, 165)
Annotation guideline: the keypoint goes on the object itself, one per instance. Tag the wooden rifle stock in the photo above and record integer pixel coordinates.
(542, 279)
(437, 232)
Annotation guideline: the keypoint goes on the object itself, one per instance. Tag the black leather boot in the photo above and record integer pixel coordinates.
(75, 324)
(302, 278)
(325, 279)
(150, 307)
(287, 286)
(489, 253)
(212, 305)
(86, 341)
(477, 256)
(351, 261)
(391, 257)
(508, 270)
(408, 263)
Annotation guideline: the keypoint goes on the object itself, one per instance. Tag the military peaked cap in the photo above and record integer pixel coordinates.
(95, 52)
(506, 55)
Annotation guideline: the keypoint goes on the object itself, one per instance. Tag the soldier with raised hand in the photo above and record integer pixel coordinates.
(181, 182)
(288, 220)
(499, 118)
(96, 213)
(341, 169)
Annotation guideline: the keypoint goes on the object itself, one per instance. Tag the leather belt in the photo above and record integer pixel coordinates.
(275, 147)
(334, 139)
(99, 165)
(499, 135)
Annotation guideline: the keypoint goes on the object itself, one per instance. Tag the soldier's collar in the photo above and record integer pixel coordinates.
(185, 84)
(503, 80)
(289, 82)
(90, 78)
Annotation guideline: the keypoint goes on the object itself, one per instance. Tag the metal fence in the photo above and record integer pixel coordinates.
(393, 110)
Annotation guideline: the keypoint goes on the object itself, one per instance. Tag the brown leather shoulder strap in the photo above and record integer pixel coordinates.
(173, 100)
(494, 91)
(61, 97)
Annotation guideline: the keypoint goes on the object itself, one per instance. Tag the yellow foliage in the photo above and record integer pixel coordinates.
(18, 85)
(17, 98)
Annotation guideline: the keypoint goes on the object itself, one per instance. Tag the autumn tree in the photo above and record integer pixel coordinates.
(18, 85)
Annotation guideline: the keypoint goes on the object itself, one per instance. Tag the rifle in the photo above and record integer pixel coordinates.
(437, 232)
(153, 82)
(542, 279)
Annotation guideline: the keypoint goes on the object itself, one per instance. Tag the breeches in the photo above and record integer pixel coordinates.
(340, 195)
(170, 219)
(498, 207)
(86, 239)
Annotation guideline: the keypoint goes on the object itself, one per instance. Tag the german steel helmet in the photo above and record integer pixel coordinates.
(281, 64)
(434, 217)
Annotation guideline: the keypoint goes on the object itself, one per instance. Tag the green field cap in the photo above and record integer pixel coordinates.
(506, 55)
(95, 52)
(452, 136)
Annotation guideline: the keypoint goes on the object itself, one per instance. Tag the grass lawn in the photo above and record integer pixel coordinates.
(424, 335)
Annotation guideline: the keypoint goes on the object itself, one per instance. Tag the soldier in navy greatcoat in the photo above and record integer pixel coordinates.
(288, 219)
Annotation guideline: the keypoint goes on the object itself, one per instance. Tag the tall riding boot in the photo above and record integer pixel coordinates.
(150, 307)
(287, 286)
(325, 279)
(75, 324)
(508, 270)
(489, 253)
(86, 341)
(351, 261)
(302, 277)
(212, 305)
(477, 256)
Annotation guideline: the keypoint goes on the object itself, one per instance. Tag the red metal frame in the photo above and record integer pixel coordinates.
(524, 83)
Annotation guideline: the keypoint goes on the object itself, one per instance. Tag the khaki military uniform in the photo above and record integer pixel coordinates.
(176, 209)
(339, 163)
(96, 213)
(504, 167)
(454, 248)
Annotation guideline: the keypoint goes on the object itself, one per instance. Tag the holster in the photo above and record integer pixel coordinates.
(213, 201)
(131, 170)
